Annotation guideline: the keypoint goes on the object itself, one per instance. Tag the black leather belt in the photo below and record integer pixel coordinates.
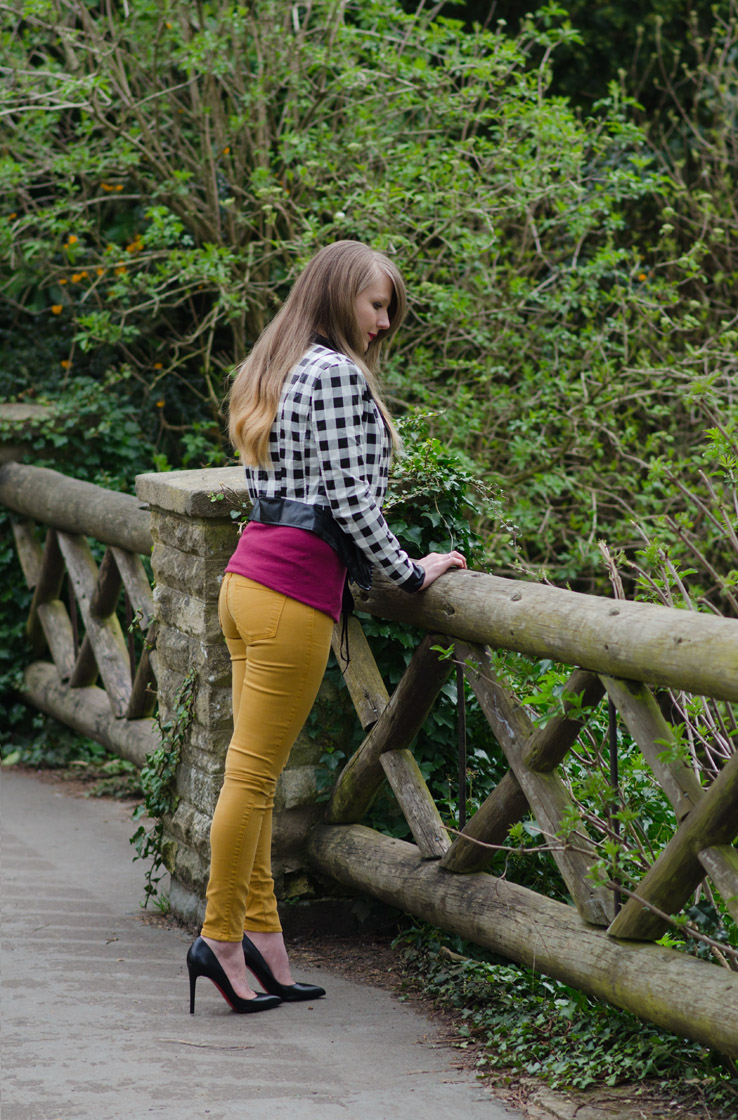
(318, 520)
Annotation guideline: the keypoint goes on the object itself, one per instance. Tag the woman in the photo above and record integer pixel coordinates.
(315, 436)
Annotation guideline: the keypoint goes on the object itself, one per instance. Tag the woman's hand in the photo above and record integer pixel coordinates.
(436, 563)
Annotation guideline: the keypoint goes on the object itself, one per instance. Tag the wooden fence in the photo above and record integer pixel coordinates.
(620, 650)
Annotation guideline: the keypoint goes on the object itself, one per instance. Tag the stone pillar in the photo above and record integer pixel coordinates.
(194, 537)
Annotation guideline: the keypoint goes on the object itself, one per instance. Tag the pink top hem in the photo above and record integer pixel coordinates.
(294, 562)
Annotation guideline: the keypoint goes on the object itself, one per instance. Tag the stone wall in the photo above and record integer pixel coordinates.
(194, 537)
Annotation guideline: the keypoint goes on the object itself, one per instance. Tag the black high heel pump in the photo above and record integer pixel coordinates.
(290, 993)
(202, 961)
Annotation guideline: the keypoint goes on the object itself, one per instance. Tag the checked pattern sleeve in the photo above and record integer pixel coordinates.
(353, 450)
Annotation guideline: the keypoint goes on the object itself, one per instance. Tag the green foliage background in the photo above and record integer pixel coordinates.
(558, 189)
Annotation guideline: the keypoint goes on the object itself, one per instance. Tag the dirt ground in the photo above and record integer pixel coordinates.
(369, 957)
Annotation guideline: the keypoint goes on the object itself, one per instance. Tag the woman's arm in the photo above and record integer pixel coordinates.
(350, 455)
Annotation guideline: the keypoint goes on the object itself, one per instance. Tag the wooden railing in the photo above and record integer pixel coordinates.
(83, 633)
(619, 650)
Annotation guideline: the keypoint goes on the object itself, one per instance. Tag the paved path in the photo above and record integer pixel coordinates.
(95, 1003)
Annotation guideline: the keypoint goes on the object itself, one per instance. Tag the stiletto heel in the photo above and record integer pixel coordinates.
(202, 961)
(290, 993)
(193, 981)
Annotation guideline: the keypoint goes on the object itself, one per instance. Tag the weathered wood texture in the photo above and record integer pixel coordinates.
(637, 641)
(193, 537)
(680, 993)
(104, 635)
(721, 864)
(87, 711)
(363, 679)
(678, 871)
(45, 576)
(549, 745)
(655, 738)
(29, 551)
(416, 802)
(654, 735)
(76, 507)
(545, 791)
(501, 809)
(396, 728)
(142, 702)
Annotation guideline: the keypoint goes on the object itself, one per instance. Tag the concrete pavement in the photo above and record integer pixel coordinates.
(95, 1003)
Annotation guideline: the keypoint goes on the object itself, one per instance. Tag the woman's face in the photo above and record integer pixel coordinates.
(371, 307)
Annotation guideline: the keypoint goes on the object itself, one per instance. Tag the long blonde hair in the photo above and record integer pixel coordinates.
(321, 302)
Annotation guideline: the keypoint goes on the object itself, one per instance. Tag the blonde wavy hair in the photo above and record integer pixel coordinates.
(321, 302)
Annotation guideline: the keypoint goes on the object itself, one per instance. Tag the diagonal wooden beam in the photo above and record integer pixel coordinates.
(642, 716)
(56, 627)
(395, 728)
(136, 583)
(547, 795)
(48, 585)
(678, 871)
(721, 864)
(494, 818)
(142, 703)
(103, 635)
(507, 803)
(549, 745)
(416, 802)
(106, 590)
(363, 679)
(29, 551)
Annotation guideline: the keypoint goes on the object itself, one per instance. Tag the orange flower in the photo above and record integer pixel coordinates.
(11, 216)
(642, 276)
(65, 364)
(119, 186)
(226, 151)
(100, 271)
(121, 270)
(158, 365)
(160, 404)
(72, 239)
(76, 277)
(56, 309)
(63, 280)
(107, 187)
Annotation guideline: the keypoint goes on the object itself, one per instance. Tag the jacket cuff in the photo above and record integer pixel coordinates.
(414, 582)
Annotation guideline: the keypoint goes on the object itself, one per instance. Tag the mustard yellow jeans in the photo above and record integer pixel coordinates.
(279, 650)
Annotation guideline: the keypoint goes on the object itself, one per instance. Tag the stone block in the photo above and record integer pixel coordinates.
(206, 749)
(189, 573)
(176, 651)
(194, 537)
(199, 789)
(191, 870)
(306, 751)
(192, 827)
(212, 708)
(188, 613)
(296, 786)
(189, 493)
(187, 905)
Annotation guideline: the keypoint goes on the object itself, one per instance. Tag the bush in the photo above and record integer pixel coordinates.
(172, 167)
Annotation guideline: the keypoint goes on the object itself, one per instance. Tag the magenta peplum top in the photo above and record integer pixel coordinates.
(293, 562)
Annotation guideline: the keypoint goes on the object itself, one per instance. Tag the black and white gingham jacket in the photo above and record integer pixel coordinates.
(329, 447)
